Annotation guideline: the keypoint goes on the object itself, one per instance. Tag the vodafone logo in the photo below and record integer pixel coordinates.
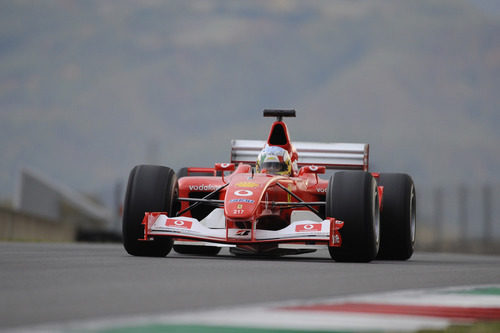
(243, 193)
(224, 165)
(203, 187)
(308, 227)
(179, 224)
(313, 168)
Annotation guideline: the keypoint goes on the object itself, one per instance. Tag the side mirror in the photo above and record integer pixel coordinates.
(224, 167)
(312, 169)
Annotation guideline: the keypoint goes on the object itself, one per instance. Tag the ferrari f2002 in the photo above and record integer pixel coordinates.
(269, 200)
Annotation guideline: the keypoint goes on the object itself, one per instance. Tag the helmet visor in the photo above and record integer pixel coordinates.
(274, 167)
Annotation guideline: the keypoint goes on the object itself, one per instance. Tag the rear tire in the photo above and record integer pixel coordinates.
(182, 172)
(398, 221)
(150, 188)
(352, 197)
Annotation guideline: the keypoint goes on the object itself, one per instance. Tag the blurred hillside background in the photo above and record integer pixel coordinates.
(88, 89)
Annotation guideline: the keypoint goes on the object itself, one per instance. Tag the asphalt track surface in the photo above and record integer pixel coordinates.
(56, 283)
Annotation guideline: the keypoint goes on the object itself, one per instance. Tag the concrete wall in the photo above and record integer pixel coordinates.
(40, 196)
(17, 226)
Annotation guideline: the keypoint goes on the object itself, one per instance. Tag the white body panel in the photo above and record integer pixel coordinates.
(162, 225)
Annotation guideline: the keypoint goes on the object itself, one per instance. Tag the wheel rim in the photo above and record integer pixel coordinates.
(376, 217)
(413, 215)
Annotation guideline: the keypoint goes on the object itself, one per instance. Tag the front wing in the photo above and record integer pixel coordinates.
(157, 224)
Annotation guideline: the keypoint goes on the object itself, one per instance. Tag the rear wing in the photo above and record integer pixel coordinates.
(331, 155)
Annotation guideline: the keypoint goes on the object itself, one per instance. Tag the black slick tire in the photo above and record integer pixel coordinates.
(398, 217)
(352, 197)
(150, 188)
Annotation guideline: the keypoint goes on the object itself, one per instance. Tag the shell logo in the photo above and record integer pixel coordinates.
(247, 184)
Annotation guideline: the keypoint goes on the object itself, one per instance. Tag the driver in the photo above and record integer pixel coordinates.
(275, 160)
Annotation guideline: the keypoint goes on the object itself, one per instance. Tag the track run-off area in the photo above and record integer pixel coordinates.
(100, 288)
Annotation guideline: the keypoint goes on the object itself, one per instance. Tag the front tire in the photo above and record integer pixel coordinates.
(398, 220)
(150, 188)
(352, 197)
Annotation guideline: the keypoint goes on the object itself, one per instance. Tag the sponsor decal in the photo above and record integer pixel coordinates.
(242, 232)
(239, 206)
(241, 200)
(243, 193)
(179, 224)
(247, 184)
(203, 187)
(224, 165)
(313, 168)
(308, 227)
(322, 190)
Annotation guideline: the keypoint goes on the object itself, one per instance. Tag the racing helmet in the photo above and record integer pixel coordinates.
(275, 160)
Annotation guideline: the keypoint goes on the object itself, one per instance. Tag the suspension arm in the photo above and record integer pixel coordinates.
(298, 198)
(202, 200)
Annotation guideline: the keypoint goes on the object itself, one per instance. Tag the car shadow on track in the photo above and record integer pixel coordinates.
(254, 258)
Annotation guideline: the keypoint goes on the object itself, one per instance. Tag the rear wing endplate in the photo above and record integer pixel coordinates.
(331, 155)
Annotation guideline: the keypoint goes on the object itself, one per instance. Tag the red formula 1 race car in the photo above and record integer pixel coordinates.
(270, 201)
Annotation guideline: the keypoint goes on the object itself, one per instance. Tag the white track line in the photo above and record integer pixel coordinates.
(274, 316)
